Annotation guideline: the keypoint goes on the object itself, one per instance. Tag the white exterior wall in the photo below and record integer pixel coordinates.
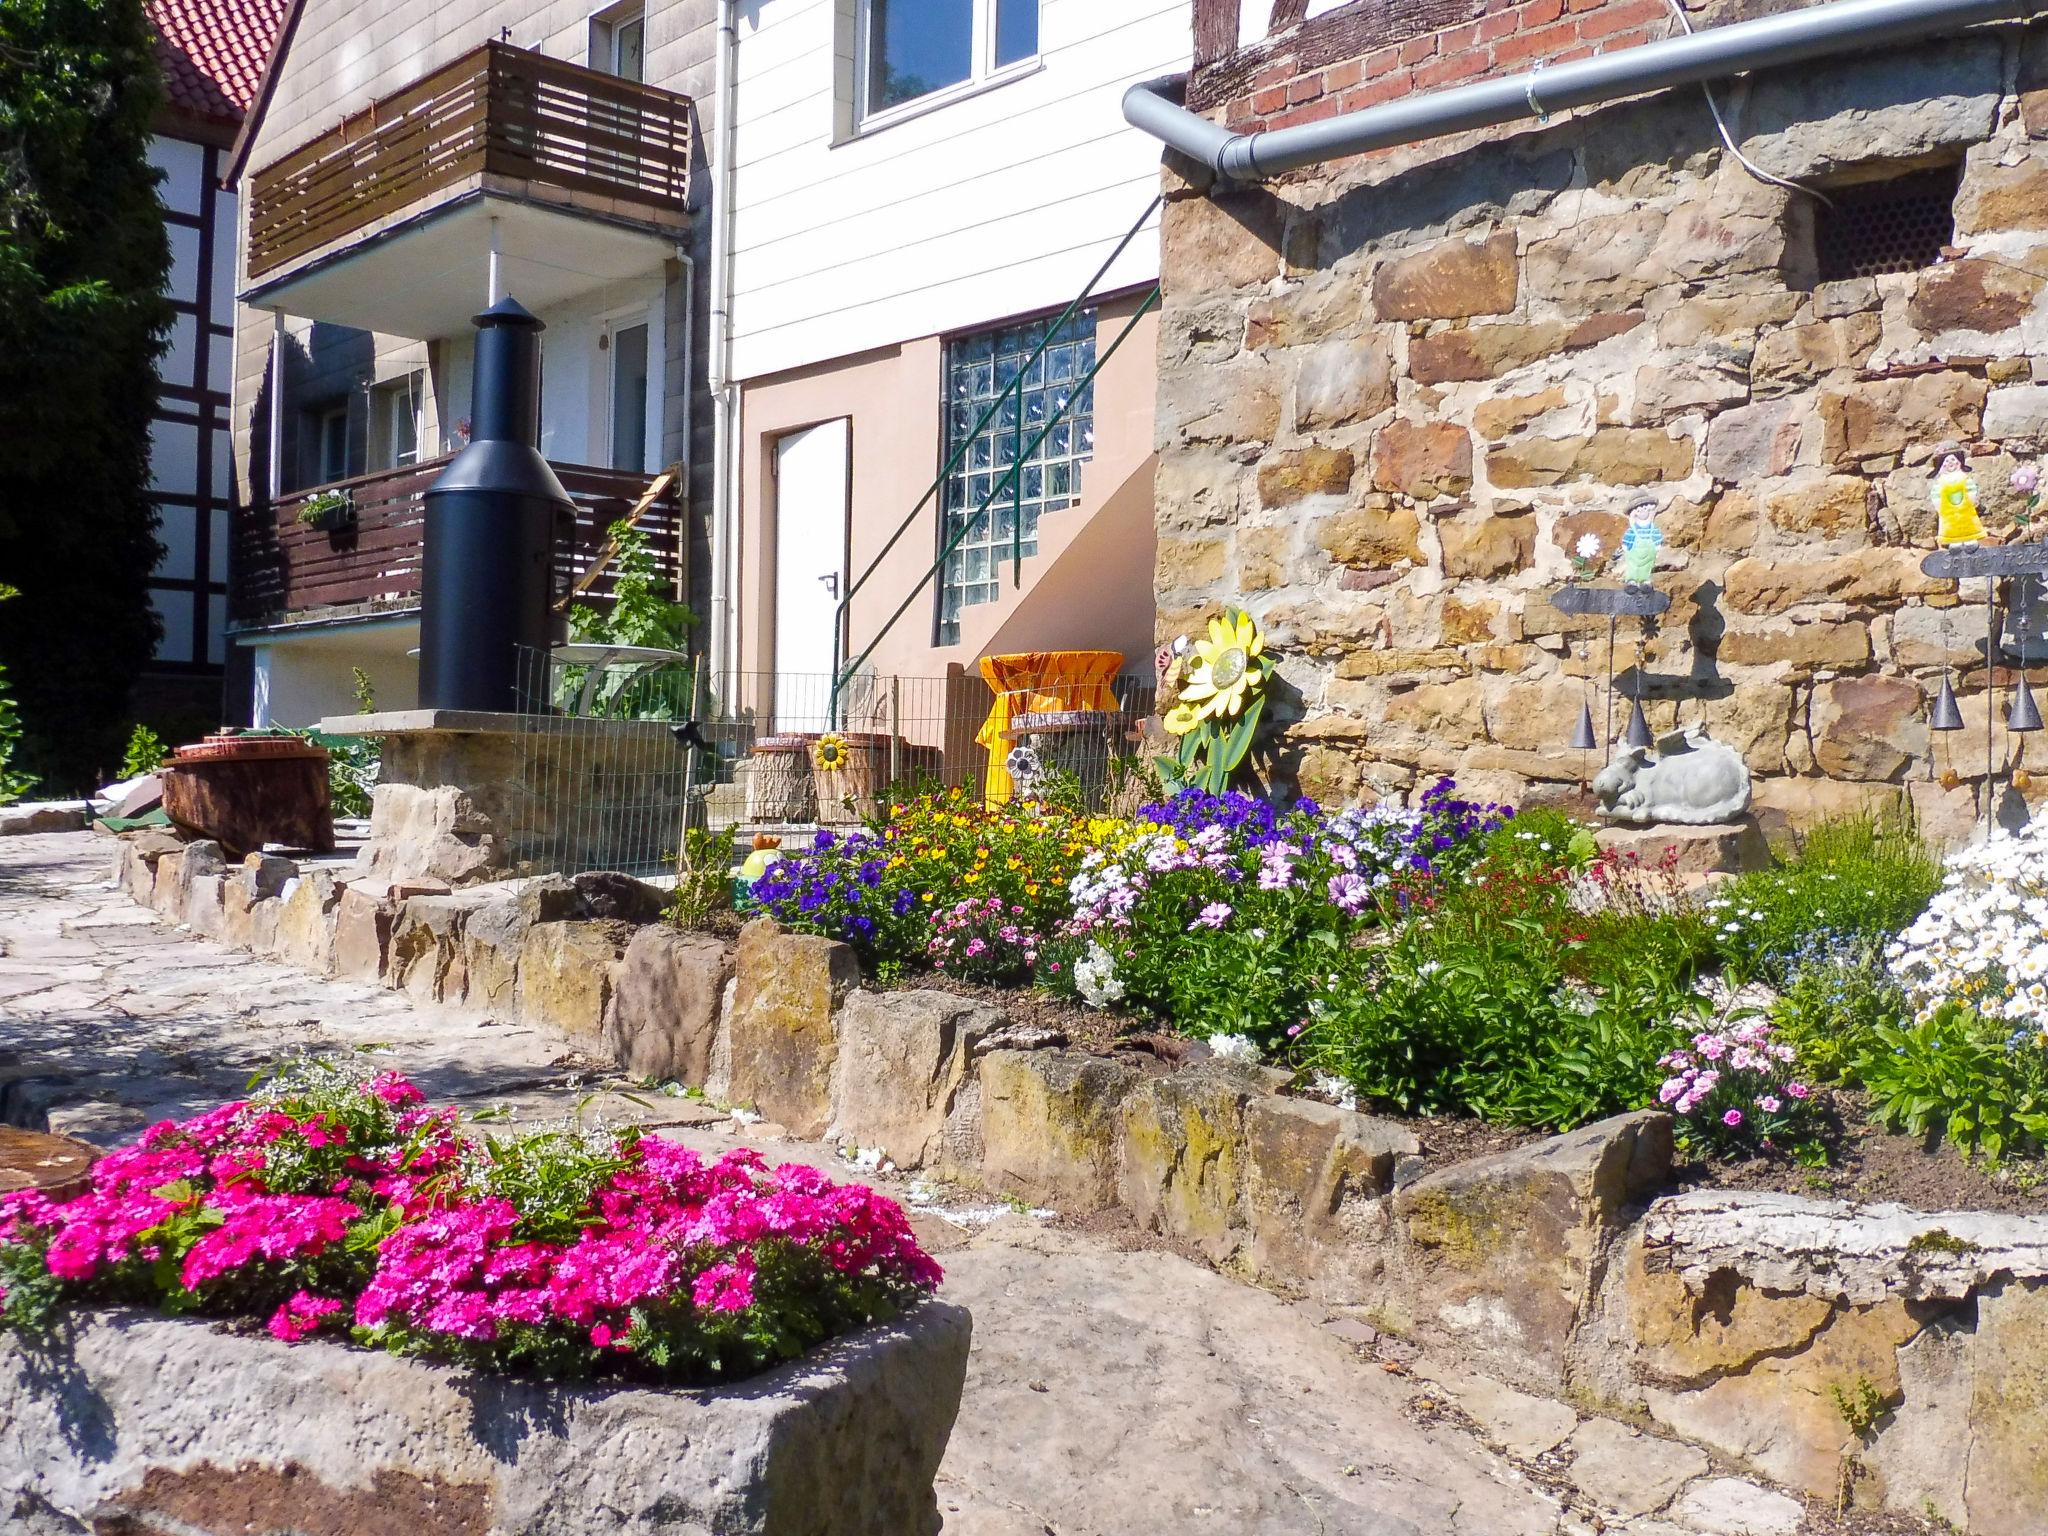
(987, 206)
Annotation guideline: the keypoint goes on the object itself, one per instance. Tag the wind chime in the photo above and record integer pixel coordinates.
(1636, 598)
(1965, 551)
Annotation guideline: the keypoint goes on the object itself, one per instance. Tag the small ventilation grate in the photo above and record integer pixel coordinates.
(1898, 225)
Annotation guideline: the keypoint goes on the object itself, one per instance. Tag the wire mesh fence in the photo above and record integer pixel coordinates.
(625, 748)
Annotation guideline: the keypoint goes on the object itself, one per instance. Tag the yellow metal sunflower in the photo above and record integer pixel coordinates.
(1227, 669)
(830, 752)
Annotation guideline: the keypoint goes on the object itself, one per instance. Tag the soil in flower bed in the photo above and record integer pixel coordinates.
(1868, 1163)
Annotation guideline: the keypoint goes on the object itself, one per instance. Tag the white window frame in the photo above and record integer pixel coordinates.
(323, 419)
(391, 400)
(605, 27)
(609, 326)
(983, 72)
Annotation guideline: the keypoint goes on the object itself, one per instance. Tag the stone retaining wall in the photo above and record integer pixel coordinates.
(1730, 1320)
(105, 1433)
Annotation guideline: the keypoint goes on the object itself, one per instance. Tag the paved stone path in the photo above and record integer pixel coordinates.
(1113, 1390)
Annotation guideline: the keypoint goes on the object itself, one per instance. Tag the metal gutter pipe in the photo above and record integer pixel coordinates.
(718, 370)
(1712, 54)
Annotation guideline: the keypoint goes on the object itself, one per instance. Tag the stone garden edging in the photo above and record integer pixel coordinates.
(107, 1433)
(1731, 1320)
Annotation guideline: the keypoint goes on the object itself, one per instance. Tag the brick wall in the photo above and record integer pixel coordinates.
(1396, 393)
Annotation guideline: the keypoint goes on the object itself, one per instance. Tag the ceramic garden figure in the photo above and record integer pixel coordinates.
(1954, 495)
(1695, 781)
(1640, 543)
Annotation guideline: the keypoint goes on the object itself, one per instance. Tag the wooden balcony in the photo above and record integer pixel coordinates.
(498, 112)
(371, 562)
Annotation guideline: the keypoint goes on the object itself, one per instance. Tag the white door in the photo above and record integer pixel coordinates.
(810, 569)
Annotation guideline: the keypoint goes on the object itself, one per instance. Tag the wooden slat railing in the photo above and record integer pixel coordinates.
(500, 110)
(282, 566)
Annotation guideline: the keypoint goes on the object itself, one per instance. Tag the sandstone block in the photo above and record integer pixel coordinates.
(1196, 562)
(1599, 263)
(423, 957)
(1292, 474)
(1502, 1251)
(1881, 575)
(903, 1063)
(784, 1036)
(1315, 1181)
(1801, 646)
(436, 833)
(1228, 404)
(663, 1015)
(1626, 1471)
(307, 910)
(1265, 558)
(565, 977)
(1791, 358)
(2001, 197)
(1220, 242)
(1185, 1158)
(28, 817)
(1479, 546)
(1052, 1127)
(1372, 535)
(1725, 850)
(1869, 727)
(1981, 297)
(493, 937)
(611, 896)
(2018, 410)
(1880, 417)
(323, 1437)
(1787, 805)
(1341, 383)
(1467, 353)
(1707, 382)
(1770, 437)
(1830, 507)
(1422, 459)
(1898, 105)
(362, 930)
(1611, 455)
(1324, 306)
(1448, 281)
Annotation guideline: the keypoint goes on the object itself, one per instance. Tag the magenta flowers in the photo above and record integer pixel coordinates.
(337, 1202)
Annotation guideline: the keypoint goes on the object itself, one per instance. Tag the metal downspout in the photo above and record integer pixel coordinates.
(724, 404)
(1711, 54)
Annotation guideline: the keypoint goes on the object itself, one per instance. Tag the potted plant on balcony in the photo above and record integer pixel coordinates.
(327, 511)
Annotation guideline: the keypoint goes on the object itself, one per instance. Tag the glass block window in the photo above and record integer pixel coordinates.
(982, 369)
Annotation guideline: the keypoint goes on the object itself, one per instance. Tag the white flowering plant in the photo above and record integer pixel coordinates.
(1983, 941)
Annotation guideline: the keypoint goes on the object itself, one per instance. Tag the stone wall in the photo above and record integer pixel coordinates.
(1397, 391)
(1728, 1320)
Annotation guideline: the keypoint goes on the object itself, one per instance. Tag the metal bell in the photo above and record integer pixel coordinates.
(1946, 716)
(2025, 714)
(1583, 738)
(1638, 732)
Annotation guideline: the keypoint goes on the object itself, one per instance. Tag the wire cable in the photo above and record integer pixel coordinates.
(1727, 138)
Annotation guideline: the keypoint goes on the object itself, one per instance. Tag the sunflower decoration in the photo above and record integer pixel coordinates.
(830, 753)
(1221, 702)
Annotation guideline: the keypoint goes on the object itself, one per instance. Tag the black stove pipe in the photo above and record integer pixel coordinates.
(490, 522)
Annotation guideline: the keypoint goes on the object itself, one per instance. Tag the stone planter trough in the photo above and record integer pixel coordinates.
(134, 1422)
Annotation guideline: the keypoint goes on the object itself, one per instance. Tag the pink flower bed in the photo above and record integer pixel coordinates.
(338, 1202)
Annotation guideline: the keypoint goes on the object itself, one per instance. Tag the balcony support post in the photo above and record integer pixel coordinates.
(275, 476)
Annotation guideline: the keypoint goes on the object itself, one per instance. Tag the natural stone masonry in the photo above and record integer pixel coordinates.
(105, 1431)
(1730, 1320)
(1396, 391)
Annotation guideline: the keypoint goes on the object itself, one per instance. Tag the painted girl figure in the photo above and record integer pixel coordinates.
(1954, 494)
(1640, 543)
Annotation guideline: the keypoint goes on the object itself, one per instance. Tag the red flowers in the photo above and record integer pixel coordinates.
(340, 1202)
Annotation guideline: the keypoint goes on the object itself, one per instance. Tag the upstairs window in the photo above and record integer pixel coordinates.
(914, 49)
(618, 42)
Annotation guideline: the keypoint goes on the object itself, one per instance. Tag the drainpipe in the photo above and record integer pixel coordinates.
(724, 394)
(276, 468)
(1714, 53)
(689, 266)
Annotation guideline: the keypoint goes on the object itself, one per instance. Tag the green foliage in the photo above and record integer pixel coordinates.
(1860, 1404)
(83, 264)
(1832, 1008)
(145, 754)
(14, 784)
(365, 691)
(703, 879)
(1849, 882)
(642, 611)
(1960, 1077)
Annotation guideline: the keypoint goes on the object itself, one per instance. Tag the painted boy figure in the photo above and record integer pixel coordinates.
(1639, 545)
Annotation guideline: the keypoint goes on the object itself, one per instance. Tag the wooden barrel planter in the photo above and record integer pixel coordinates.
(779, 785)
(246, 791)
(847, 792)
(55, 1167)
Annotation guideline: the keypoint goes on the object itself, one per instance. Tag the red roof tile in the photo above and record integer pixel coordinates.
(213, 53)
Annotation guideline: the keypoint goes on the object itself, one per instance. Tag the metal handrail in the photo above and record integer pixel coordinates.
(1053, 418)
(843, 610)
